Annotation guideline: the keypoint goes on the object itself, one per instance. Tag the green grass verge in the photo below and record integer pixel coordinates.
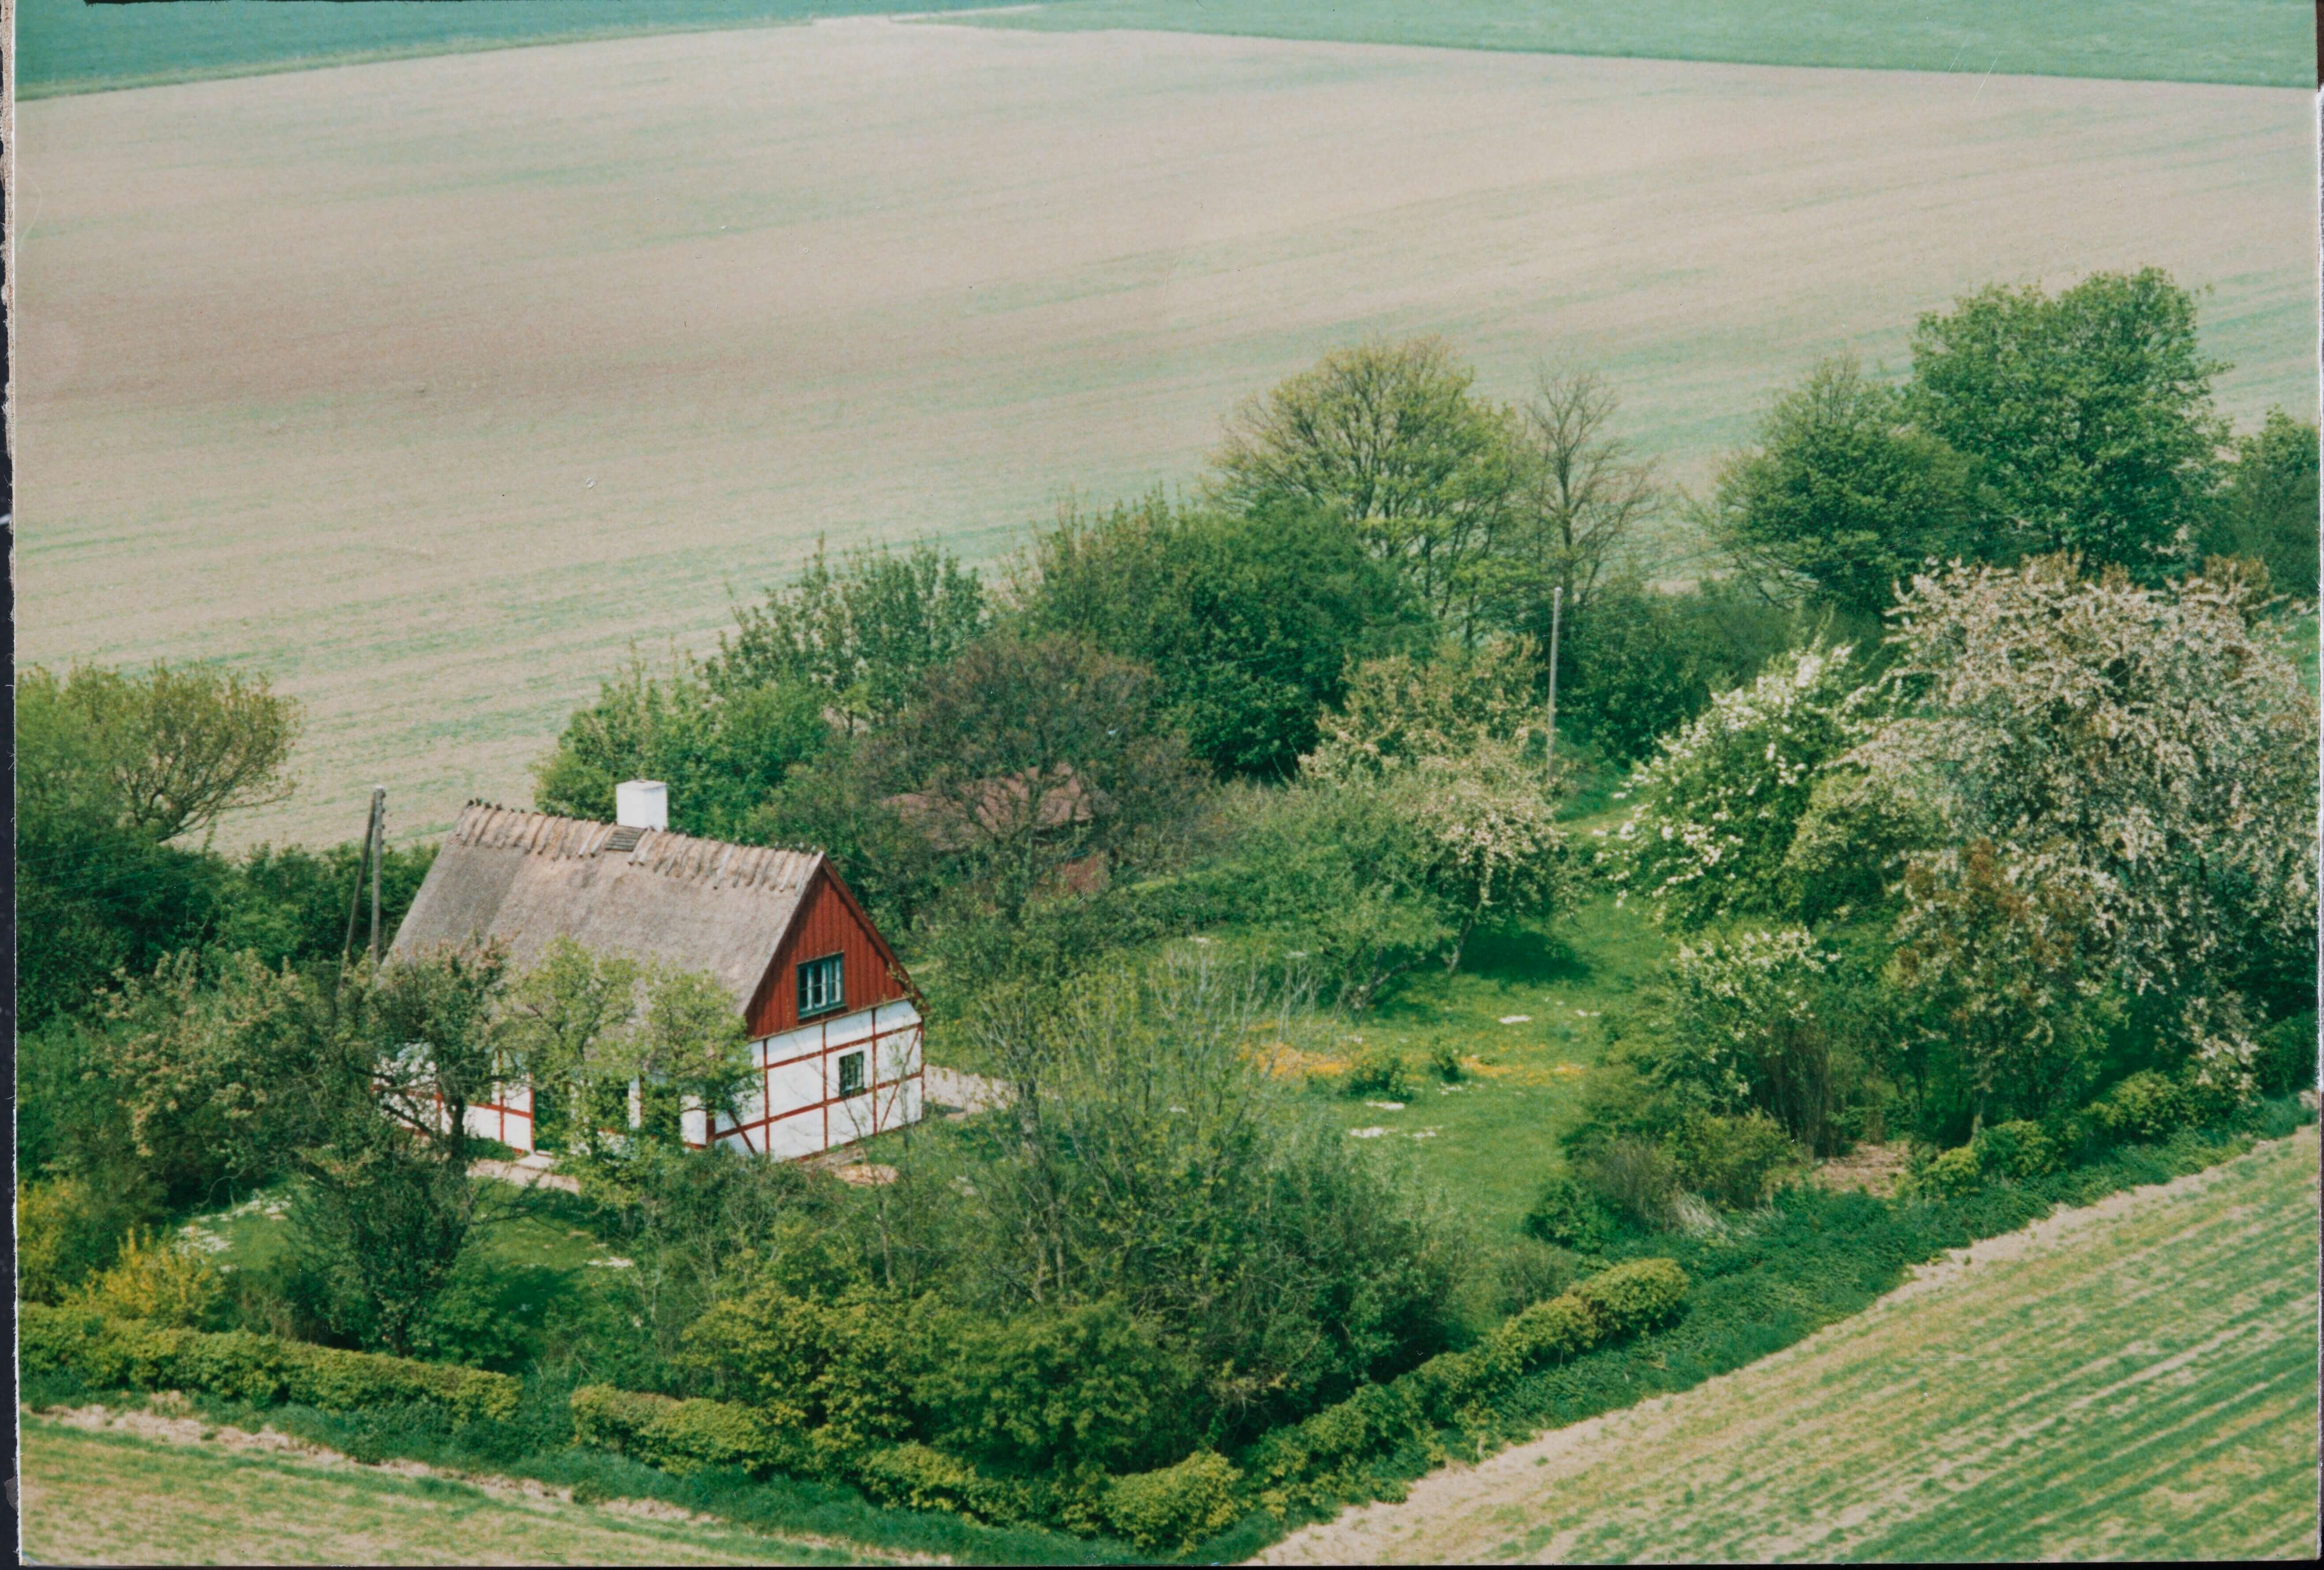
(2256, 43)
(112, 1498)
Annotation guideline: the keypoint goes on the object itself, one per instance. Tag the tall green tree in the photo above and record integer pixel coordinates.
(2087, 414)
(862, 632)
(1248, 622)
(2268, 508)
(1391, 438)
(116, 771)
(722, 748)
(1842, 499)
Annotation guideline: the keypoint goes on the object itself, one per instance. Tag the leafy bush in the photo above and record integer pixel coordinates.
(2016, 1150)
(1528, 1269)
(2287, 1062)
(108, 1352)
(158, 1283)
(1569, 1216)
(1632, 1296)
(2146, 1107)
(1176, 1507)
(683, 1435)
(66, 1231)
(1735, 1160)
(1444, 1062)
(1634, 1179)
(1380, 1070)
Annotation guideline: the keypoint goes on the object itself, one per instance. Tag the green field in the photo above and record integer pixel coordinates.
(69, 46)
(2259, 43)
(72, 47)
(112, 1497)
(2133, 1381)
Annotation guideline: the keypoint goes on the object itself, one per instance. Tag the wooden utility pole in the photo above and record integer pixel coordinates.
(1556, 614)
(354, 895)
(378, 855)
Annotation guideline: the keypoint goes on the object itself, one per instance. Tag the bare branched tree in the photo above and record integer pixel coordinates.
(1584, 491)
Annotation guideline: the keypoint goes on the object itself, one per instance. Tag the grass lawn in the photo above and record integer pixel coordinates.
(2134, 1380)
(118, 1499)
(1490, 1138)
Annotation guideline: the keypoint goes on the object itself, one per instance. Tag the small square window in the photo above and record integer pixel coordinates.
(851, 1074)
(821, 986)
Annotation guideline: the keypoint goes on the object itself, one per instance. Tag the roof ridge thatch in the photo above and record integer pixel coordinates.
(527, 878)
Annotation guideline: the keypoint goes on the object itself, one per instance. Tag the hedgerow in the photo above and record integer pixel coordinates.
(258, 1369)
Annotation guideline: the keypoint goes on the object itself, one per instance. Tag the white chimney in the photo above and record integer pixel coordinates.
(641, 804)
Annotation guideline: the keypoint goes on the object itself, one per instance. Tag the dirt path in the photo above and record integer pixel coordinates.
(2133, 1379)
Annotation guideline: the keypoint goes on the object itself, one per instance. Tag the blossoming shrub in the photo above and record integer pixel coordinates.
(1719, 806)
(2136, 769)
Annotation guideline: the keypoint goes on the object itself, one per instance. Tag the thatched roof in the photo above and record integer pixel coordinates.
(529, 878)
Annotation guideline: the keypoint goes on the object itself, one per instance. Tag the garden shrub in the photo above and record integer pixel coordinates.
(1570, 1216)
(2287, 1062)
(1558, 1328)
(1176, 1507)
(2147, 1107)
(108, 1353)
(1444, 1062)
(159, 1284)
(1947, 1175)
(1636, 1295)
(1380, 1071)
(1735, 1160)
(2016, 1150)
(685, 1436)
(918, 1476)
(1636, 1180)
(1527, 1270)
(67, 1230)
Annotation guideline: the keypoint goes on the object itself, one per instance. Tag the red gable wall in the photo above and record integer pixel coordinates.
(828, 922)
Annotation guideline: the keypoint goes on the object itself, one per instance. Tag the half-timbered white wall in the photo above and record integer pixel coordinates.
(794, 1106)
(506, 1117)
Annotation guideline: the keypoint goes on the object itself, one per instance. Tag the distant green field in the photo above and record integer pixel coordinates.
(2257, 42)
(69, 47)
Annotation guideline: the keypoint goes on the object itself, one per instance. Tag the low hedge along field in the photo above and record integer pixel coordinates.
(242, 1366)
(1310, 1466)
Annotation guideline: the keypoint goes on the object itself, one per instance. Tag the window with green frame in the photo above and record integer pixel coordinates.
(821, 986)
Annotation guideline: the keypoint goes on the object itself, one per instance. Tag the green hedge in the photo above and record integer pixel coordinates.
(259, 1369)
(1332, 1455)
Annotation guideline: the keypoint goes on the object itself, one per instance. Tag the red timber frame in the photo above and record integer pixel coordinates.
(827, 919)
(756, 1134)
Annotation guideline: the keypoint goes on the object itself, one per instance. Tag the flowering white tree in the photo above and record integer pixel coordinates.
(1749, 1010)
(2149, 752)
(1719, 806)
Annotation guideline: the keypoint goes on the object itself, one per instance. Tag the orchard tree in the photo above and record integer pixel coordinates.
(1024, 756)
(722, 751)
(863, 633)
(1842, 500)
(2087, 415)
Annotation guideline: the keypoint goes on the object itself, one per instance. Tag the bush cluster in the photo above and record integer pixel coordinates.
(1168, 1506)
(259, 1369)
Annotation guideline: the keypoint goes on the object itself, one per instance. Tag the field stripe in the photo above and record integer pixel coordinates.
(2137, 1380)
